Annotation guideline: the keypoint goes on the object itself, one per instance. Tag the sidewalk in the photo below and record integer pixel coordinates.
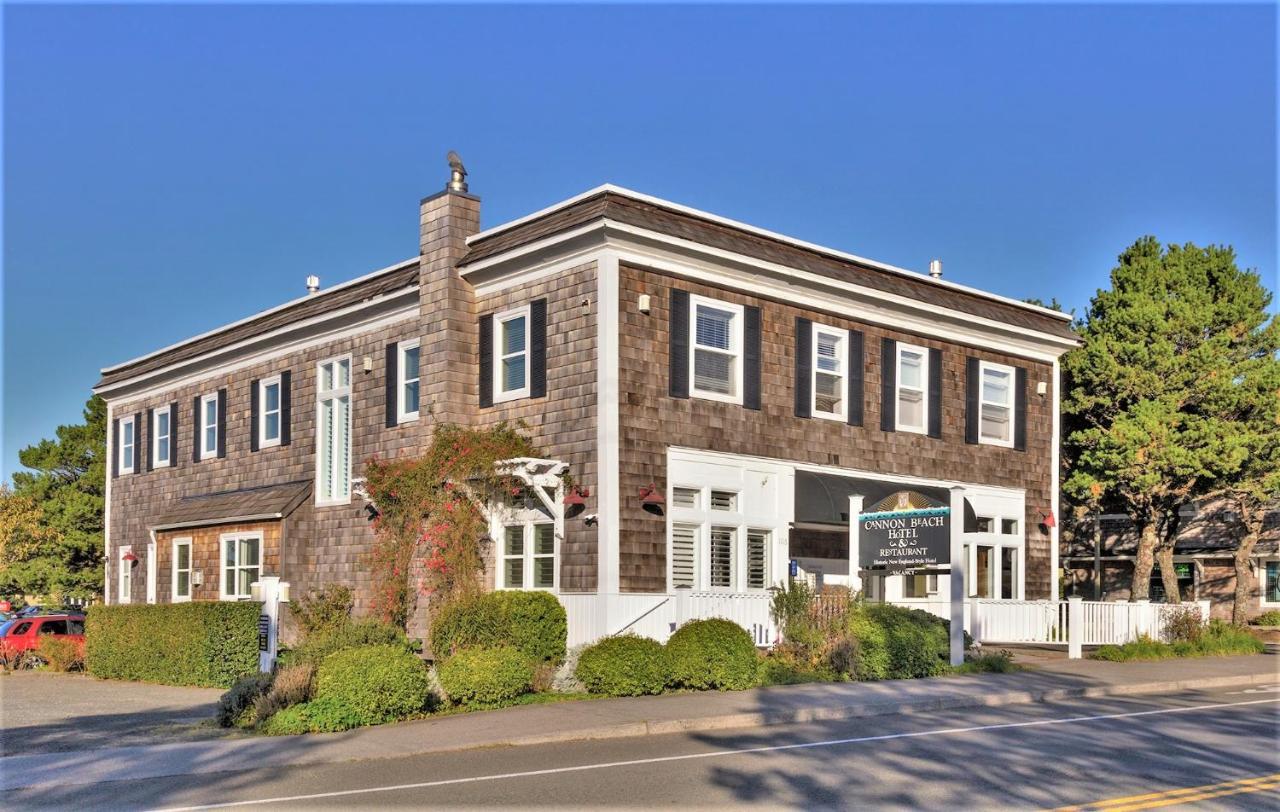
(640, 716)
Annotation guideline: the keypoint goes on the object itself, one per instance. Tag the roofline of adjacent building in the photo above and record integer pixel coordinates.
(609, 188)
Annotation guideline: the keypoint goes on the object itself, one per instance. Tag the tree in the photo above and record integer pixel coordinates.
(1144, 427)
(52, 520)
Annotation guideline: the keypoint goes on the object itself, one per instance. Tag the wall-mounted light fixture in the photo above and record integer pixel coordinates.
(643, 303)
(1042, 388)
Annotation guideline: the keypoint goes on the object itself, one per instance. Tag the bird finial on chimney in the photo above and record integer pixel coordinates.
(457, 173)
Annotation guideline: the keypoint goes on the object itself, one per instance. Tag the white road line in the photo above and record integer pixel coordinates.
(716, 754)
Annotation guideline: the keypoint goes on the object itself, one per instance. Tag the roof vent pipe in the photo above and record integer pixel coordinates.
(935, 268)
(313, 284)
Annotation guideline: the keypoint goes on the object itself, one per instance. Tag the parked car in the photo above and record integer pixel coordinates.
(20, 636)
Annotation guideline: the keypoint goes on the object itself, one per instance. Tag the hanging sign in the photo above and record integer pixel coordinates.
(904, 531)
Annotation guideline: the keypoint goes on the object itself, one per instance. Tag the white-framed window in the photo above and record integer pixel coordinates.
(511, 355)
(128, 445)
(269, 412)
(209, 426)
(1269, 574)
(715, 358)
(241, 565)
(757, 558)
(684, 555)
(529, 556)
(995, 404)
(409, 373)
(181, 570)
(912, 383)
(724, 500)
(1009, 527)
(919, 585)
(830, 364)
(333, 422)
(124, 580)
(714, 544)
(720, 557)
(686, 498)
(161, 437)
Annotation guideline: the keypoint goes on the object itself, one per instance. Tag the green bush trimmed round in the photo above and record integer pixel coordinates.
(486, 677)
(713, 653)
(899, 643)
(533, 622)
(624, 666)
(317, 647)
(536, 622)
(375, 684)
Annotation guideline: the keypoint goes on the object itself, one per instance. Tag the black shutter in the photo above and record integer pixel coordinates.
(751, 357)
(538, 348)
(486, 360)
(115, 447)
(173, 434)
(804, 367)
(888, 384)
(972, 409)
(1020, 409)
(935, 393)
(253, 415)
(222, 423)
(679, 350)
(393, 382)
(150, 417)
(286, 407)
(856, 366)
(137, 443)
(197, 430)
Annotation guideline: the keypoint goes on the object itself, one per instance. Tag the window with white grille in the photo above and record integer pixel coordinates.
(716, 349)
(410, 375)
(720, 557)
(128, 445)
(181, 570)
(913, 388)
(511, 355)
(333, 408)
(757, 559)
(270, 411)
(684, 555)
(685, 498)
(830, 361)
(161, 436)
(724, 500)
(529, 556)
(996, 405)
(209, 426)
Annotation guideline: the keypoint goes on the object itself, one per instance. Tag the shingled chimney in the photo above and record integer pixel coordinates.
(447, 218)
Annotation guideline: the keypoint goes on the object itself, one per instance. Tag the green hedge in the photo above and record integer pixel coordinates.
(713, 653)
(898, 643)
(486, 677)
(625, 666)
(200, 643)
(320, 644)
(373, 684)
(533, 622)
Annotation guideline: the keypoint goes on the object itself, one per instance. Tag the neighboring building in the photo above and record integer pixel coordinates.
(721, 392)
(1098, 553)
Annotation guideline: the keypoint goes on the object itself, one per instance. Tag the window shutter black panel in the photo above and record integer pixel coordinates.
(253, 415)
(286, 407)
(804, 367)
(486, 360)
(857, 364)
(538, 348)
(972, 410)
(888, 384)
(115, 448)
(222, 423)
(173, 434)
(137, 443)
(1020, 409)
(393, 383)
(197, 438)
(150, 440)
(751, 357)
(935, 393)
(679, 359)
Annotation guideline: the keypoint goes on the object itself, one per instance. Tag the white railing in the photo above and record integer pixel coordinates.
(592, 616)
(1074, 622)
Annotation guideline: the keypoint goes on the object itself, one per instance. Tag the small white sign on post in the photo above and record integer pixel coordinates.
(272, 592)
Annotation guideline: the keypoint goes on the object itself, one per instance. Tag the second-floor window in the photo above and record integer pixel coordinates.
(269, 415)
(410, 376)
(716, 362)
(209, 426)
(995, 424)
(830, 365)
(333, 441)
(128, 445)
(913, 388)
(161, 437)
(511, 355)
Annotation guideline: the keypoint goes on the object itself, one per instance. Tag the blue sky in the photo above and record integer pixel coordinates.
(167, 170)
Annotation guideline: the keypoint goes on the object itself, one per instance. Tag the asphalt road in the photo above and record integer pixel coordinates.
(1019, 757)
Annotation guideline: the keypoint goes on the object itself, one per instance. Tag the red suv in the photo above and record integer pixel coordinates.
(22, 634)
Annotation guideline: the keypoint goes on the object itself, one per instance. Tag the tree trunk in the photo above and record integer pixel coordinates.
(1143, 563)
(1240, 601)
(1168, 574)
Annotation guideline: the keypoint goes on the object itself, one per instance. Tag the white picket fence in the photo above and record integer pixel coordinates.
(592, 616)
(1075, 622)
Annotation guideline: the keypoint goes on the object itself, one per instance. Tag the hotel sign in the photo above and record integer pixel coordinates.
(904, 531)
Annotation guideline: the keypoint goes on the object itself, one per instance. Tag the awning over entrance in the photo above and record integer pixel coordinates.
(824, 498)
(225, 507)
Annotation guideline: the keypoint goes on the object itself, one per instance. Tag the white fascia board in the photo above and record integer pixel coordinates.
(310, 296)
(773, 235)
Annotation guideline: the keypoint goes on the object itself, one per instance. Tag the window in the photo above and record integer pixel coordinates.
(269, 412)
(684, 544)
(919, 585)
(124, 584)
(333, 421)
(52, 627)
(995, 424)
(717, 350)
(685, 497)
(209, 426)
(410, 377)
(1008, 572)
(830, 360)
(20, 629)
(757, 559)
(913, 388)
(529, 556)
(1009, 527)
(241, 564)
(181, 570)
(511, 355)
(983, 524)
(724, 500)
(720, 566)
(983, 571)
(161, 433)
(1271, 582)
(128, 445)
(75, 626)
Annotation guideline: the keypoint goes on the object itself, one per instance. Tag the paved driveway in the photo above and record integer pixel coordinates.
(41, 712)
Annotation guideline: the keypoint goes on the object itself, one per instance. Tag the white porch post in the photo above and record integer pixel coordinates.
(855, 568)
(958, 594)
(1075, 626)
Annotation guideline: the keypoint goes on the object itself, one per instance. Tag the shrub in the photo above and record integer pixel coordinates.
(241, 697)
(317, 716)
(996, 662)
(1183, 625)
(1218, 639)
(624, 666)
(533, 622)
(842, 655)
(1268, 618)
(203, 643)
(486, 677)
(323, 610)
(713, 653)
(374, 684)
(291, 686)
(61, 654)
(873, 646)
(316, 648)
(899, 643)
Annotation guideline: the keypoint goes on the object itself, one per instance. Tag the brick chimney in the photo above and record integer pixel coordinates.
(447, 303)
